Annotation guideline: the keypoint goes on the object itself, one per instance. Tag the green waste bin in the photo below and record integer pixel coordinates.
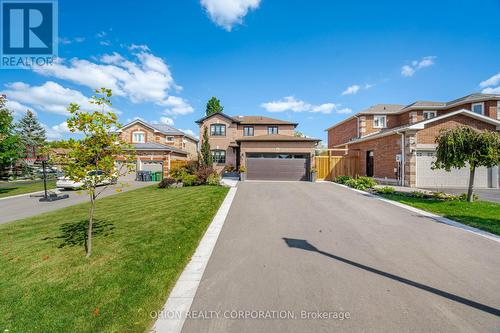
(159, 176)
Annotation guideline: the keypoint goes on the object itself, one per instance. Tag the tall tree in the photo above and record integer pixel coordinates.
(213, 106)
(91, 160)
(30, 132)
(464, 146)
(206, 154)
(9, 141)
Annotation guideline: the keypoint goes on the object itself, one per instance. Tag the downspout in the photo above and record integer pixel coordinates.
(402, 158)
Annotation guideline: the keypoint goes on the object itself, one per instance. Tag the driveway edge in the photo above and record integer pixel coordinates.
(433, 216)
(173, 314)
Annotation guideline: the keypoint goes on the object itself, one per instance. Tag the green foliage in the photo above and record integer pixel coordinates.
(462, 146)
(242, 169)
(386, 190)
(189, 180)
(342, 179)
(30, 132)
(9, 141)
(213, 106)
(367, 182)
(206, 154)
(213, 179)
(203, 173)
(178, 173)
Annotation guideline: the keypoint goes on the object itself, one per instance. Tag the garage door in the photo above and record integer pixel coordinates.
(426, 177)
(277, 166)
(153, 166)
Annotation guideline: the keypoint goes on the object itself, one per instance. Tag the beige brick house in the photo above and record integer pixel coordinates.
(266, 147)
(156, 145)
(396, 143)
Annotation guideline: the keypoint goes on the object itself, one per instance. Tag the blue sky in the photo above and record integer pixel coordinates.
(313, 62)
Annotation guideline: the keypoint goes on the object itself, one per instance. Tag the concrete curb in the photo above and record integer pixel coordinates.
(171, 318)
(433, 216)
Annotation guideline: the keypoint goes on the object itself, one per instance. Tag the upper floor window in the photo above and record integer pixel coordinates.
(498, 110)
(379, 121)
(218, 129)
(247, 130)
(138, 137)
(219, 156)
(478, 108)
(169, 139)
(272, 129)
(429, 114)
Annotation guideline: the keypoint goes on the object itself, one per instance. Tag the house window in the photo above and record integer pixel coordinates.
(379, 121)
(429, 114)
(247, 130)
(498, 110)
(170, 139)
(219, 156)
(218, 129)
(272, 129)
(138, 137)
(478, 108)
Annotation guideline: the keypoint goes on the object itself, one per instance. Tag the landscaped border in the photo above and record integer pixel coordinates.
(433, 216)
(172, 317)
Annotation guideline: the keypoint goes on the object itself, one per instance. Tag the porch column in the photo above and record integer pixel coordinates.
(410, 151)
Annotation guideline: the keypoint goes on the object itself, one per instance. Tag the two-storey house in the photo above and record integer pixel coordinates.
(156, 145)
(266, 147)
(396, 143)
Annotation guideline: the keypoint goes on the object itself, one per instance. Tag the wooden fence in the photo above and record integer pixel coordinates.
(329, 167)
(177, 164)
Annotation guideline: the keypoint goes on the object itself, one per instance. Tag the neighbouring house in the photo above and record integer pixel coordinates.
(156, 145)
(396, 143)
(267, 148)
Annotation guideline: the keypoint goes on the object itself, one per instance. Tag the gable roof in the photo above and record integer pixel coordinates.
(277, 137)
(157, 146)
(421, 125)
(249, 120)
(162, 128)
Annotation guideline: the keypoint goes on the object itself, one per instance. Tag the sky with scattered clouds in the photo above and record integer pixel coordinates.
(314, 63)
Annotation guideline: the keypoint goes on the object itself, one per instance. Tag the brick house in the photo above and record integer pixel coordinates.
(396, 143)
(156, 145)
(266, 147)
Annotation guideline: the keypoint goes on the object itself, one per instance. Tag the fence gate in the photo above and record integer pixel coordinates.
(329, 167)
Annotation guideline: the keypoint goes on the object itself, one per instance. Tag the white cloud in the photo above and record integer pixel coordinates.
(146, 78)
(492, 81)
(351, 90)
(344, 111)
(49, 97)
(141, 47)
(164, 121)
(491, 90)
(101, 34)
(67, 41)
(17, 108)
(227, 13)
(189, 132)
(105, 42)
(290, 103)
(409, 70)
(56, 132)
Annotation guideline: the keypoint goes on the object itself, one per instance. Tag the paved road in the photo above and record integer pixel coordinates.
(17, 208)
(320, 247)
(491, 194)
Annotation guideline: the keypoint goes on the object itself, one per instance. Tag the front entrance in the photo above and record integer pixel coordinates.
(271, 166)
(369, 163)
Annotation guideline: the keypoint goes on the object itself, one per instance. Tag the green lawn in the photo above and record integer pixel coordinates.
(144, 239)
(8, 189)
(479, 214)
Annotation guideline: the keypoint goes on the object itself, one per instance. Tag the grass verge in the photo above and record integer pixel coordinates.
(143, 240)
(8, 189)
(479, 214)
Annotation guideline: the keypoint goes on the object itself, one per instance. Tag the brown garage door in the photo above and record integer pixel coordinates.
(277, 166)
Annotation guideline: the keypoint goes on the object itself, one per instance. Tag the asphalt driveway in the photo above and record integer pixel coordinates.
(317, 250)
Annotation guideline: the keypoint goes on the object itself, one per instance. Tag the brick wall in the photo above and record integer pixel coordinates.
(342, 133)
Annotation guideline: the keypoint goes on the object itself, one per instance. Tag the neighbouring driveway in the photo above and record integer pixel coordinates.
(491, 194)
(12, 209)
(320, 247)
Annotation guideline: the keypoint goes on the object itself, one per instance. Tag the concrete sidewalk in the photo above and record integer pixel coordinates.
(298, 257)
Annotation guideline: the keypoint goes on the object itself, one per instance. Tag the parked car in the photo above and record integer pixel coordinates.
(68, 184)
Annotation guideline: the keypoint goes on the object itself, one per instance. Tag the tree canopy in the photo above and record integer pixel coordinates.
(9, 141)
(30, 132)
(206, 154)
(213, 106)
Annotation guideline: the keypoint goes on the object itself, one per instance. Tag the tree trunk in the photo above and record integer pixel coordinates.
(91, 219)
(471, 183)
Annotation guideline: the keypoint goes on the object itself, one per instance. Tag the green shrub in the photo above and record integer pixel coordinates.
(386, 190)
(355, 183)
(213, 179)
(342, 179)
(418, 194)
(463, 197)
(178, 173)
(367, 182)
(203, 172)
(189, 180)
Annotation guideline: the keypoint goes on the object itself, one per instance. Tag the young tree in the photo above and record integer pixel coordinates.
(92, 159)
(206, 154)
(464, 146)
(9, 141)
(31, 133)
(213, 106)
